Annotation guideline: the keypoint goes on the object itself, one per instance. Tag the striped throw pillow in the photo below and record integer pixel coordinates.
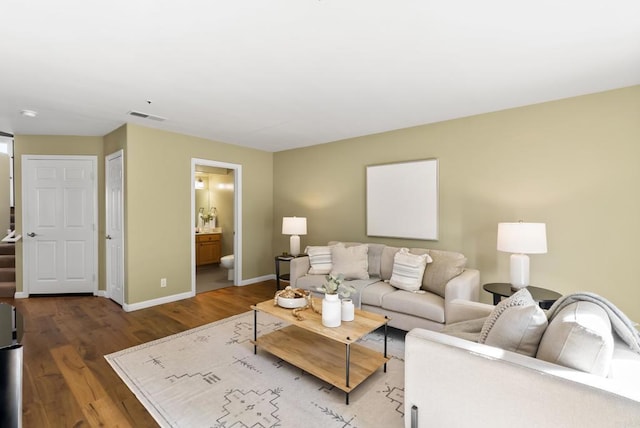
(320, 260)
(408, 270)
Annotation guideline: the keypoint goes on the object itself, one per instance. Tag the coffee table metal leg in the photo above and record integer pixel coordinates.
(385, 346)
(348, 358)
(255, 332)
(347, 370)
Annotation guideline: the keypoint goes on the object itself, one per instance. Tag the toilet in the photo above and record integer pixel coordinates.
(228, 262)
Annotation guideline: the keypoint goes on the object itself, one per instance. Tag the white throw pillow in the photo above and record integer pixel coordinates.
(408, 270)
(319, 259)
(352, 262)
(579, 336)
(515, 324)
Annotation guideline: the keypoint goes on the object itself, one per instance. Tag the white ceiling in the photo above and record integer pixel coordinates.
(278, 74)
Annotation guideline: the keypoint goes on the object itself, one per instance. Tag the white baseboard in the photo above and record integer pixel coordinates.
(258, 279)
(154, 302)
(23, 295)
(159, 301)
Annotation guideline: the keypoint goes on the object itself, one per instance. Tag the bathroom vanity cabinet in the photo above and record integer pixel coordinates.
(208, 248)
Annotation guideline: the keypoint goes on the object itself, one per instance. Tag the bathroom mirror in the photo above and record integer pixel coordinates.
(217, 192)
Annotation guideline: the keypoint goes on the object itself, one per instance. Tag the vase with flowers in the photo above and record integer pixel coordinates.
(334, 288)
(205, 219)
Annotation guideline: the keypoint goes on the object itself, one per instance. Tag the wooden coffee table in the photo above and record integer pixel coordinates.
(330, 354)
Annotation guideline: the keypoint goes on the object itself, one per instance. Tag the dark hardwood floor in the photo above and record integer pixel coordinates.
(66, 380)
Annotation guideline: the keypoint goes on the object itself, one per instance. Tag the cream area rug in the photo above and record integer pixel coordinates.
(209, 377)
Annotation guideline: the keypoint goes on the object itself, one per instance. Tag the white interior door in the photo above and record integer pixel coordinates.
(115, 231)
(59, 224)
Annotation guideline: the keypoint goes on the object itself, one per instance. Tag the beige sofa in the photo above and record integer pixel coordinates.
(581, 375)
(445, 278)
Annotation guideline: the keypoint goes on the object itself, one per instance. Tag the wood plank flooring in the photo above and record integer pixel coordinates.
(66, 380)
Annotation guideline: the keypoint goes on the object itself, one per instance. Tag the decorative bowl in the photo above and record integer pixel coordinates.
(291, 303)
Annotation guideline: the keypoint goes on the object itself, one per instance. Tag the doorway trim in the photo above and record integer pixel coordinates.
(237, 216)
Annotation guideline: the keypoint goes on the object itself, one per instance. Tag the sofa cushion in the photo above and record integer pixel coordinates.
(311, 282)
(468, 329)
(445, 266)
(408, 270)
(424, 305)
(352, 262)
(625, 364)
(319, 259)
(515, 324)
(579, 337)
(374, 294)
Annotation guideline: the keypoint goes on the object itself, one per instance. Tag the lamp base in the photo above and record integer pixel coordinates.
(294, 245)
(519, 271)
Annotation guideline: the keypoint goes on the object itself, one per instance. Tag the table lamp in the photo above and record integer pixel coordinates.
(521, 239)
(294, 226)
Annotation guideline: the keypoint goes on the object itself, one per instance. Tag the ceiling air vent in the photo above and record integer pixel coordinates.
(146, 116)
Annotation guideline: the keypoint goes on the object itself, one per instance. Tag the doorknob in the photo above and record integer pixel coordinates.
(108, 236)
(31, 234)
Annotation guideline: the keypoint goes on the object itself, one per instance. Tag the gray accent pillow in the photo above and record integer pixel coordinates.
(445, 266)
(375, 259)
(386, 262)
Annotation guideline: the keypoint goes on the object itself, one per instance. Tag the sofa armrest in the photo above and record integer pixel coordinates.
(465, 286)
(298, 267)
(472, 391)
(465, 310)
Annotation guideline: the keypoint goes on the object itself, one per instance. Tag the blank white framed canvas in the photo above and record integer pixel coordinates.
(402, 200)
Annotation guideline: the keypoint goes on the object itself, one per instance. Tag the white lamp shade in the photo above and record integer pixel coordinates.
(522, 238)
(294, 225)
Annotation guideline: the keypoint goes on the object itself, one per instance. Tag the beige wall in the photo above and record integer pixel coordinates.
(573, 164)
(57, 145)
(158, 209)
(158, 187)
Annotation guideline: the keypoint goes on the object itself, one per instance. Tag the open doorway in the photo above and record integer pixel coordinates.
(216, 225)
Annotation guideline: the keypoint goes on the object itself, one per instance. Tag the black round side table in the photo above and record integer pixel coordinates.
(543, 296)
